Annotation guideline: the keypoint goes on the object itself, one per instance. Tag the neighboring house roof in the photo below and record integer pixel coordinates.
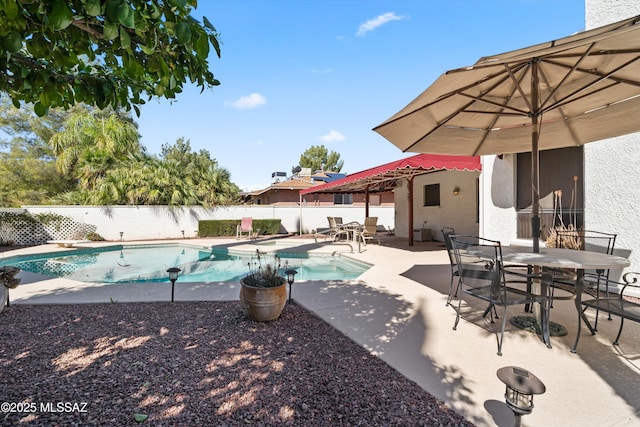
(289, 184)
(327, 176)
(383, 177)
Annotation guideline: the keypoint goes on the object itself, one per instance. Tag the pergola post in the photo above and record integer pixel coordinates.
(366, 202)
(410, 213)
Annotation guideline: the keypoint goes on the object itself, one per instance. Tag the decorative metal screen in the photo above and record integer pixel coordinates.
(22, 228)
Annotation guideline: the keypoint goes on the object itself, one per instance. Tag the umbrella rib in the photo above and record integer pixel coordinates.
(569, 73)
(493, 123)
(443, 97)
(475, 98)
(436, 127)
(608, 75)
(519, 87)
(516, 111)
(568, 124)
(572, 96)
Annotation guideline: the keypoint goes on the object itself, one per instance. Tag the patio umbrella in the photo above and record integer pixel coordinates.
(567, 92)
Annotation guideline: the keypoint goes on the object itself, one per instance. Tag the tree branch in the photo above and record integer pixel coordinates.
(83, 25)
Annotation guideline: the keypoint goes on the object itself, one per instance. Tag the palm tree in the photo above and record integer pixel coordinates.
(92, 143)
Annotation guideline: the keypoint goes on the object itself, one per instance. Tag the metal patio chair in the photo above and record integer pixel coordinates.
(447, 232)
(594, 280)
(482, 276)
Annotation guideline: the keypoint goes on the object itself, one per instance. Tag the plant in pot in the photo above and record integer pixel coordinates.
(8, 280)
(561, 235)
(263, 292)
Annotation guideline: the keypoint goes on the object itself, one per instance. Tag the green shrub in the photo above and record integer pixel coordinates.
(227, 227)
(95, 237)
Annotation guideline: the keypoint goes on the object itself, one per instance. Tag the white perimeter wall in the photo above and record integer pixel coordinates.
(160, 222)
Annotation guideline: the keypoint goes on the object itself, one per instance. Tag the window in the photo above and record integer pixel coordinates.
(343, 199)
(432, 195)
(557, 171)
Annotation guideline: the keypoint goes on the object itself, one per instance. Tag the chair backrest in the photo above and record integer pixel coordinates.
(245, 223)
(586, 240)
(371, 224)
(332, 222)
(447, 232)
(597, 241)
(338, 220)
(479, 261)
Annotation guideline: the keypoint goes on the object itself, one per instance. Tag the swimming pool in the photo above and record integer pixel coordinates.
(149, 263)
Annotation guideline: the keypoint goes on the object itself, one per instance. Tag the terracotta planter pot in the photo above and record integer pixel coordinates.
(263, 304)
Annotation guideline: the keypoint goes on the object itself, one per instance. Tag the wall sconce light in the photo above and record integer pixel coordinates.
(456, 190)
(521, 386)
(173, 276)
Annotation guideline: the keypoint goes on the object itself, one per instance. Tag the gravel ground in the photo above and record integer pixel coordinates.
(196, 363)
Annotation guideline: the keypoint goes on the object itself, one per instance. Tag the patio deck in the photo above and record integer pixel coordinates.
(397, 311)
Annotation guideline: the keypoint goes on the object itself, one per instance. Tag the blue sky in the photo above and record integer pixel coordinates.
(297, 73)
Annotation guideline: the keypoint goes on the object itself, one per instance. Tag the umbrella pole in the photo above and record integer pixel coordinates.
(535, 158)
(535, 180)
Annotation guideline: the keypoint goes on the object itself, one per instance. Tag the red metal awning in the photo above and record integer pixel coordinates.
(384, 177)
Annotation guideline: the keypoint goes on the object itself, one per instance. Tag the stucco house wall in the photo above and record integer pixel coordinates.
(497, 199)
(612, 182)
(459, 212)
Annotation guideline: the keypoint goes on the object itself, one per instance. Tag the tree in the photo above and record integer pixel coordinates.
(212, 183)
(57, 53)
(93, 142)
(178, 177)
(28, 174)
(317, 157)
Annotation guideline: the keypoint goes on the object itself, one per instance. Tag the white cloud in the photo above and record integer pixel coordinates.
(333, 136)
(321, 70)
(374, 23)
(250, 101)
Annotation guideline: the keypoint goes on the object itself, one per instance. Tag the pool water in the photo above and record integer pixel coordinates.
(149, 263)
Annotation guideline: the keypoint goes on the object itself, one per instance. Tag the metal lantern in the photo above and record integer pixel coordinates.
(291, 276)
(521, 386)
(173, 276)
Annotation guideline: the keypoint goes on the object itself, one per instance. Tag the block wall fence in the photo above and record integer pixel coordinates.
(164, 222)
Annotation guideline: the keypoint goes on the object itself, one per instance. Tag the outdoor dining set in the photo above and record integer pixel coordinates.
(353, 231)
(502, 276)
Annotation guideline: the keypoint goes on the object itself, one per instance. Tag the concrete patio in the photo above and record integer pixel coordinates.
(397, 310)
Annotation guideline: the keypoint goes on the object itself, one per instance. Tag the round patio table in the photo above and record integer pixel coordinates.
(566, 258)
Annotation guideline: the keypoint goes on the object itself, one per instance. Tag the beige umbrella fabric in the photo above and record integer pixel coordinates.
(567, 92)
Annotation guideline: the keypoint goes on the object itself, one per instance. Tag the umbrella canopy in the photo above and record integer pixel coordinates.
(567, 92)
